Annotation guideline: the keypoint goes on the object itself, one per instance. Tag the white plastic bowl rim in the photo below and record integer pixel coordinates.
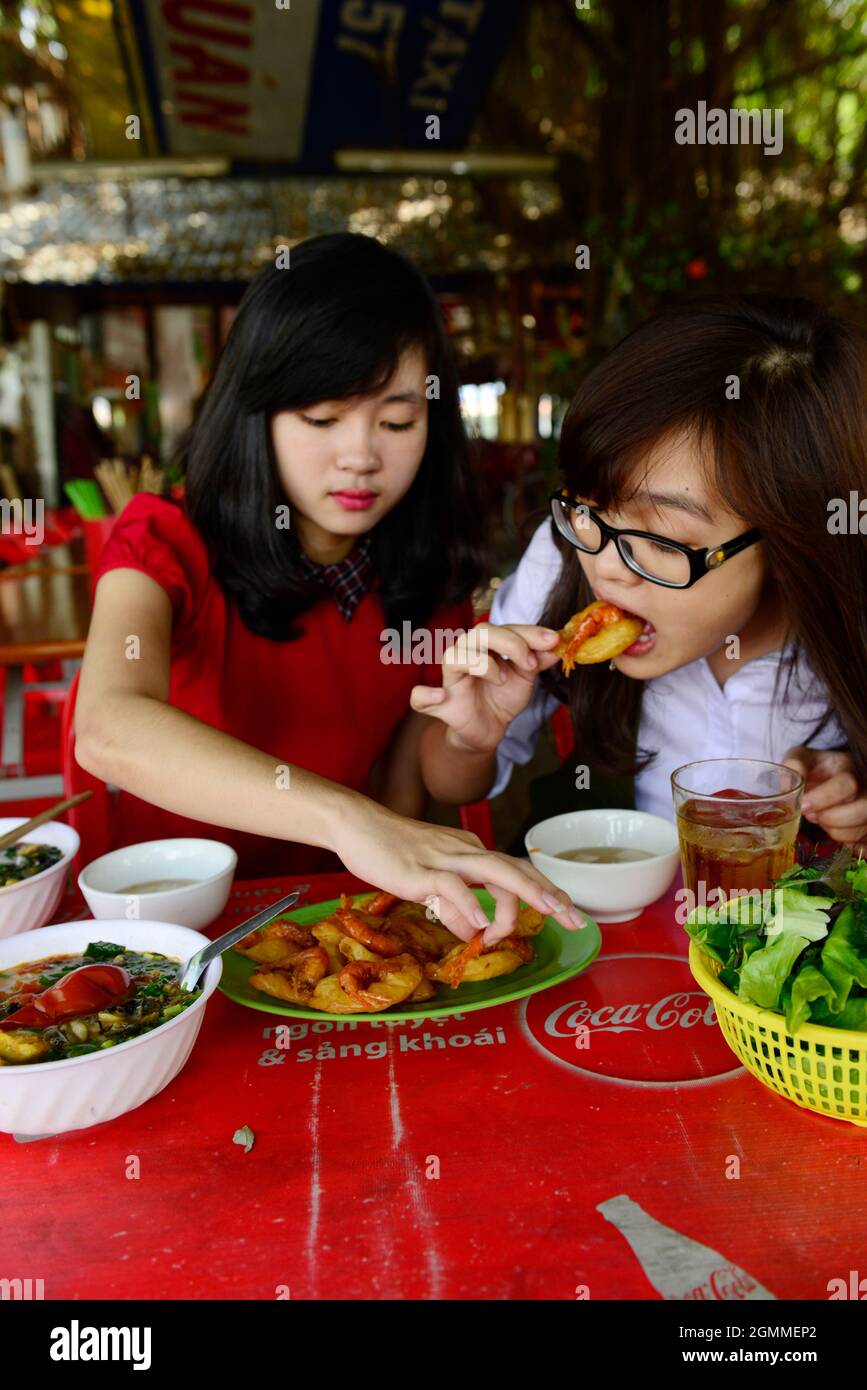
(596, 820)
(8, 823)
(115, 854)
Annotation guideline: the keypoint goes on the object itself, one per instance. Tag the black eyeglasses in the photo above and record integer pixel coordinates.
(656, 558)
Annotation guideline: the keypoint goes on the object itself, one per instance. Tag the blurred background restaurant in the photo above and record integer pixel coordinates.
(155, 153)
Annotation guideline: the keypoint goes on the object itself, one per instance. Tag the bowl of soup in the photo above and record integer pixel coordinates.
(612, 863)
(71, 1072)
(186, 881)
(33, 874)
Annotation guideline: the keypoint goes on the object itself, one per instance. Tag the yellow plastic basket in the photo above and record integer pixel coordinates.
(822, 1069)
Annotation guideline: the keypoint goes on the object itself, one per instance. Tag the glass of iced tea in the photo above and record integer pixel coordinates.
(737, 821)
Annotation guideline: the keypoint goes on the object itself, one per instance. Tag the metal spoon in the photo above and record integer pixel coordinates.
(197, 964)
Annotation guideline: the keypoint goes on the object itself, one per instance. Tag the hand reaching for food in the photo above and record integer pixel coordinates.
(426, 863)
(488, 678)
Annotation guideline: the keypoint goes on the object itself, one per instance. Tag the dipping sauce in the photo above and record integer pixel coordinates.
(605, 854)
(156, 885)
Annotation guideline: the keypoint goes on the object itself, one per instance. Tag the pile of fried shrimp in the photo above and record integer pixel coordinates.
(368, 955)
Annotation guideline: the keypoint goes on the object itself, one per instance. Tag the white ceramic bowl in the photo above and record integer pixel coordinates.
(608, 892)
(53, 1097)
(208, 864)
(31, 902)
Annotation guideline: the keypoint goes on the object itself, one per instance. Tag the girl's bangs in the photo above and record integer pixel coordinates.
(363, 368)
(614, 471)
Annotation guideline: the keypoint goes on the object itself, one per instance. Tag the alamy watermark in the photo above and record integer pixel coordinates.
(440, 646)
(754, 126)
(77, 1343)
(847, 518)
(761, 901)
(23, 518)
(23, 1289)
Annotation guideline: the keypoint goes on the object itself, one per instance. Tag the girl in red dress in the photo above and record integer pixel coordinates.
(237, 671)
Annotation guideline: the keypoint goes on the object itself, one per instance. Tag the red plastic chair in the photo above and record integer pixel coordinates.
(60, 526)
(92, 819)
(476, 815)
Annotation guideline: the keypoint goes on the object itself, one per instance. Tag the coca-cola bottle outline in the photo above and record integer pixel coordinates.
(680, 1268)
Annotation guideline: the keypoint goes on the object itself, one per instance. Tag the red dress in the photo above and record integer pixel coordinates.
(325, 701)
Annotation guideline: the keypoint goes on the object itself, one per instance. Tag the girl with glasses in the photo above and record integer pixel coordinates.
(705, 464)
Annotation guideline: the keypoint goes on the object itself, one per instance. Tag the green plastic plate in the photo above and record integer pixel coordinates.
(560, 954)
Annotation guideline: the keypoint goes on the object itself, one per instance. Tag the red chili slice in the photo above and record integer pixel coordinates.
(83, 991)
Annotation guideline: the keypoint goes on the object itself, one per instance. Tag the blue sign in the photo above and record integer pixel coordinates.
(289, 83)
(382, 71)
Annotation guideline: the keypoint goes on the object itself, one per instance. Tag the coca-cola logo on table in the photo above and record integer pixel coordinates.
(634, 1018)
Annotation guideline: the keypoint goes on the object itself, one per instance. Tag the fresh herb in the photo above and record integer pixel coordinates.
(798, 949)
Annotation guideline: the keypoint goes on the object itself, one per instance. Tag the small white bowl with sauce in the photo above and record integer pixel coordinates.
(182, 881)
(641, 850)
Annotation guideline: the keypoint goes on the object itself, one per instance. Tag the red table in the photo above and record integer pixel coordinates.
(460, 1158)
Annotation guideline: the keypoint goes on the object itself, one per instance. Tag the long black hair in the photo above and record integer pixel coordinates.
(795, 439)
(331, 327)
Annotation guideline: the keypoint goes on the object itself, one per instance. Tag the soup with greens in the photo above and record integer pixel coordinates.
(26, 859)
(70, 1005)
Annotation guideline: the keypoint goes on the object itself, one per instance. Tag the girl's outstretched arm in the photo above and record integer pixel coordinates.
(127, 733)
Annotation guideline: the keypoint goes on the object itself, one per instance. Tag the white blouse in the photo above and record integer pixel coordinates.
(685, 714)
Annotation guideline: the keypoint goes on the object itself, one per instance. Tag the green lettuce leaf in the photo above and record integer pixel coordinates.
(718, 939)
(764, 972)
(853, 1015)
(857, 876)
(796, 911)
(844, 955)
(747, 909)
(802, 990)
